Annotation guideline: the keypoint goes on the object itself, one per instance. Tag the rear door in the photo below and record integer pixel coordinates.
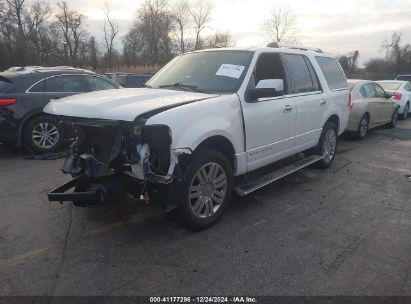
(374, 105)
(310, 102)
(60, 86)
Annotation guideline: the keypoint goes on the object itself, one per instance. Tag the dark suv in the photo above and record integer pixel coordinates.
(25, 91)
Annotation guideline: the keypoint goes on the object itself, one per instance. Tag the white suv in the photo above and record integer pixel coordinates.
(204, 122)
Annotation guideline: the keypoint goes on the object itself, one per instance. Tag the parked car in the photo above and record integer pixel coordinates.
(401, 93)
(403, 77)
(131, 80)
(371, 107)
(202, 127)
(25, 91)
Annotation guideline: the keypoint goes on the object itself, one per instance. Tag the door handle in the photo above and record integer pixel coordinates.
(288, 108)
(323, 102)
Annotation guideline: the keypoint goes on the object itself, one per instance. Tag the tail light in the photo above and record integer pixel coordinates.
(4, 102)
(397, 96)
(350, 104)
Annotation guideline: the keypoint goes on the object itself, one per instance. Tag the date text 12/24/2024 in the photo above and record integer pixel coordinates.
(203, 300)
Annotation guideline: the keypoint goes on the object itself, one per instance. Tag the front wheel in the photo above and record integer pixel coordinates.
(206, 190)
(327, 145)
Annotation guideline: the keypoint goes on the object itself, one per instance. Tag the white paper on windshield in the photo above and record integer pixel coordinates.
(230, 70)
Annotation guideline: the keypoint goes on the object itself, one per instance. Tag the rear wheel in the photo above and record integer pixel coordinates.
(206, 190)
(327, 145)
(394, 119)
(406, 111)
(362, 129)
(43, 134)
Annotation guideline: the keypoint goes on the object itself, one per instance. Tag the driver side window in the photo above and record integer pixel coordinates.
(270, 66)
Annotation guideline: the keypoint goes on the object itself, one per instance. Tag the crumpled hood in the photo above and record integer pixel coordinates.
(121, 104)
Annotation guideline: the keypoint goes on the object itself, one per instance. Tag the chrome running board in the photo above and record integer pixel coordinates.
(265, 180)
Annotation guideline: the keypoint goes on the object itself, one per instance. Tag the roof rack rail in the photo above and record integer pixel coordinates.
(294, 47)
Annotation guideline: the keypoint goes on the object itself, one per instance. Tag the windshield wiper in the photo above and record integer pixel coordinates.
(184, 86)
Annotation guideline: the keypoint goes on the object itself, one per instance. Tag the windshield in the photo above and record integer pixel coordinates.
(210, 72)
(390, 86)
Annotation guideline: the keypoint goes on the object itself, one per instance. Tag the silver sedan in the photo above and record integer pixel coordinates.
(371, 107)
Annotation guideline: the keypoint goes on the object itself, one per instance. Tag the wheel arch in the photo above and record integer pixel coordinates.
(336, 120)
(221, 144)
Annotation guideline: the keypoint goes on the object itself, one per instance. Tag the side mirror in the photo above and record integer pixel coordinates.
(268, 88)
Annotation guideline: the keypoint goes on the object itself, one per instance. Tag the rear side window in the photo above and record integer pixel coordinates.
(304, 80)
(369, 91)
(38, 88)
(379, 91)
(4, 85)
(64, 84)
(98, 84)
(333, 73)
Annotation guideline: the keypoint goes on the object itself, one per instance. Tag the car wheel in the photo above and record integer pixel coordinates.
(394, 120)
(43, 134)
(406, 111)
(362, 127)
(327, 145)
(206, 190)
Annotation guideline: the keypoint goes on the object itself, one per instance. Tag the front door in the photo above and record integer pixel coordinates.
(269, 122)
(386, 104)
(60, 86)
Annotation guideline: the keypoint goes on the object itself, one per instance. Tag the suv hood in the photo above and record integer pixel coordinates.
(122, 104)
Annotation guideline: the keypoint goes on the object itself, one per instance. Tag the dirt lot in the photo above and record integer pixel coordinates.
(341, 231)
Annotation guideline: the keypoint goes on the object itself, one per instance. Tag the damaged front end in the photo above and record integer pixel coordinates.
(111, 158)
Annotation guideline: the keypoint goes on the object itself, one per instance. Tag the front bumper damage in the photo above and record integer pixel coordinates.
(109, 159)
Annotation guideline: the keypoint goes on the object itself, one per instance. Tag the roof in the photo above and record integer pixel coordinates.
(268, 48)
(41, 69)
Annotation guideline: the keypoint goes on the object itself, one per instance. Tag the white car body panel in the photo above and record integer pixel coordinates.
(406, 95)
(124, 104)
(260, 132)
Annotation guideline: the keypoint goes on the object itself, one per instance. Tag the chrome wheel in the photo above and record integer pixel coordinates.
(45, 135)
(363, 126)
(208, 189)
(329, 145)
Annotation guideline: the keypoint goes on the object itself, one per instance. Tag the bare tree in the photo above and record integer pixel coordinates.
(394, 52)
(349, 63)
(181, 14)
(219, 40)
(71, 24)
(110, 32)
(281, 26)
(201, 14)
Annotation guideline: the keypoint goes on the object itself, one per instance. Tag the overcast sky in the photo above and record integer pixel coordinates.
(337, 26)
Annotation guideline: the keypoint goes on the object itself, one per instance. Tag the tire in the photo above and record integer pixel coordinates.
(406, 111)
(362, 129)
(394, 120)
(43, 134)
(329, 137)
(203, 202)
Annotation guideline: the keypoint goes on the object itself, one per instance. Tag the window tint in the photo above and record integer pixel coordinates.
(4, 85)
(333, 73)
(314, 77)
(38, 88)
(362, 92)
(407, 87)
(270, 66)
(64, 84)
(303, 81)
(379, 91)
(97, 84)
(369, 91)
